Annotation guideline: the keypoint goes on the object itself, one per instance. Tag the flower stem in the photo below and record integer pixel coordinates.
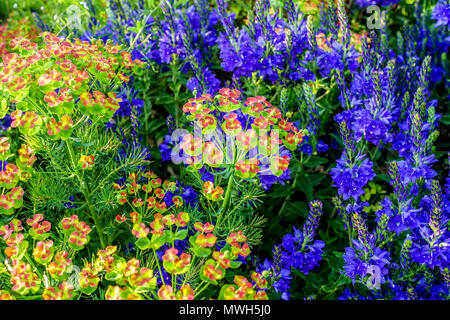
(96, 219)
(175, 88)
(188, 274)
(27, 256)
(203, 289)
(286, 200)
(226, 201)
(235, 208)
(87, 196)
(159, 267)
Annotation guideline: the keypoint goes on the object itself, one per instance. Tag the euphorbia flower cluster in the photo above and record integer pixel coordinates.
(145, 194)
(10, 175)
(77, 232)
(164, 230)
(214, 269)
(27, 278)
(12, 30)
(52, 78)
(245, 290)
(212, 193)
(252, 137)
(24, 277)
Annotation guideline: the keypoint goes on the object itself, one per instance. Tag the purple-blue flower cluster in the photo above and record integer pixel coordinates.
(276, 48)
(351, 175)
(189, 34)
(298, 251)
(441, 13)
